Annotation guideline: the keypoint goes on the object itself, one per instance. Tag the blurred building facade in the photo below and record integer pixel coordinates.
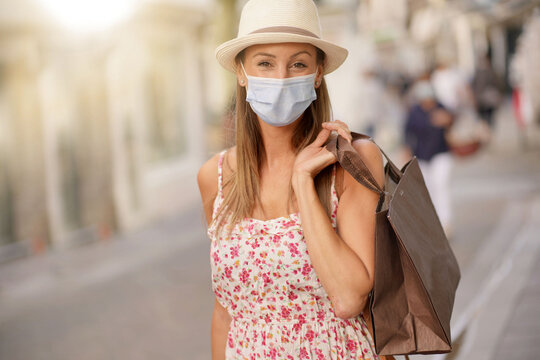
(400, 40)
(105, 132)
(98, 133)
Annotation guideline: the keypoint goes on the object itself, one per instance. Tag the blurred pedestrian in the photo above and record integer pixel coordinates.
(485, 89)
(451, 88)
(453, 92)
(277, 194)
(425, 130)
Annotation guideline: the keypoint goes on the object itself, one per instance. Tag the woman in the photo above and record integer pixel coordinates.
(292, 251)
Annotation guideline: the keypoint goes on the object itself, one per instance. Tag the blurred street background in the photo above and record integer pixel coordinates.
(109, 108)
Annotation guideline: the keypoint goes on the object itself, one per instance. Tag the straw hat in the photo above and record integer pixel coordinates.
(279, 21)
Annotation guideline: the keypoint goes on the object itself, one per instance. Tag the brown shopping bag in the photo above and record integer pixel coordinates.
(416, 272)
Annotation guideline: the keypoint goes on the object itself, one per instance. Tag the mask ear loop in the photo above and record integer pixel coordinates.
(317, 82)
(245, 73)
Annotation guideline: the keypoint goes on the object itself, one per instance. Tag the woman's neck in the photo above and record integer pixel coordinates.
(277, 143)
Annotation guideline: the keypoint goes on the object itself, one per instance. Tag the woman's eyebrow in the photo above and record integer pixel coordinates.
(300, 53)
(264, 54)
(292, 56)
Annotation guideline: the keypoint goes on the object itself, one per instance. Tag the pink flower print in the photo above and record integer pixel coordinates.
(292, 296)
(310, 335)
(244, 276)
(293, 249)
(285, 312)
(320, 315)
(301, 321)
(237, 288)
(228, 272)
(352, 346)
(266, 279)
(235, 251)
(319, 354)
(291, 235)
(230, 342)
(273, 354)
(251, 254)
(255, 244)
(306, 270)
(276, 239)
(303, 353)
(288, 223)
(215, 255)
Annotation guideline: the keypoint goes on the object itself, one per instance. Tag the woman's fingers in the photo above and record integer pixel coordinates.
(340, 127)
(321, 138)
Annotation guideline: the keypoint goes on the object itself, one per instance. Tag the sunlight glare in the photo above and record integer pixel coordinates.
(89, 15)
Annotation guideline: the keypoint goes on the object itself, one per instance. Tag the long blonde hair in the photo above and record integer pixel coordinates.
(243, 184)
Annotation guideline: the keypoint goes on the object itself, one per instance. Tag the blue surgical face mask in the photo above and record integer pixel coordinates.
(279, 102)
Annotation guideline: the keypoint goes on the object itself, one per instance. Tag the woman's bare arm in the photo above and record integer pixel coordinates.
(221, 321)
(343, 261)
(207, 179)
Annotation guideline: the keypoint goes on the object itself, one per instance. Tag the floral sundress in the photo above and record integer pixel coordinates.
(262, 274)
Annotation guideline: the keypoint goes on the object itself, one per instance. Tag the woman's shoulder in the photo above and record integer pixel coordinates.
(371, 156)
(207, 176)
(208, 179)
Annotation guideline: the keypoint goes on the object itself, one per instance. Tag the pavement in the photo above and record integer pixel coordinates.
(144, 295)
(496, 198)
(147, 294)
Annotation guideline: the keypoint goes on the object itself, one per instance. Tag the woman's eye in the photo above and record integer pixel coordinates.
(299, 65)
(263, 63)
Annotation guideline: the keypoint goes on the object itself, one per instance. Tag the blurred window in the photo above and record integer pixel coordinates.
(7, 216)
(167, 104)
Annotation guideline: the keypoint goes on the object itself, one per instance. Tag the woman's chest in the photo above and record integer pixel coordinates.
(261, 260)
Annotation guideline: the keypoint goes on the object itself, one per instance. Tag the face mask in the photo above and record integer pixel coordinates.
(279, 102)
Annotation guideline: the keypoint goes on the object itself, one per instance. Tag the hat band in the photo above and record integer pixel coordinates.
(285, 29)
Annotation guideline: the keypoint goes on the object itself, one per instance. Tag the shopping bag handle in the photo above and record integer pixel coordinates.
(352, 162)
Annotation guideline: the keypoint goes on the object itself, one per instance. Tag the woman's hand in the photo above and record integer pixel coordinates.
(314, 157)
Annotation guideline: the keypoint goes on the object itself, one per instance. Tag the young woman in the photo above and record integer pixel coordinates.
(292, 234)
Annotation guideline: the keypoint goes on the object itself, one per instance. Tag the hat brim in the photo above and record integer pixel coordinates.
(226, 52)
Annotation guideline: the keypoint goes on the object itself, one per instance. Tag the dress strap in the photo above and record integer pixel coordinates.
(219, 197)
(220, 173)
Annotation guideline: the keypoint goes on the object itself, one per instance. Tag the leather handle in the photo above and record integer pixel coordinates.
(352, 162)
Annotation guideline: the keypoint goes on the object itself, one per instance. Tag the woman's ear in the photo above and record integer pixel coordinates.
(319, 77)
(240, 76)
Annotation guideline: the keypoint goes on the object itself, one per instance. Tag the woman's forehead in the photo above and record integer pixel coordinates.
(281, 49)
